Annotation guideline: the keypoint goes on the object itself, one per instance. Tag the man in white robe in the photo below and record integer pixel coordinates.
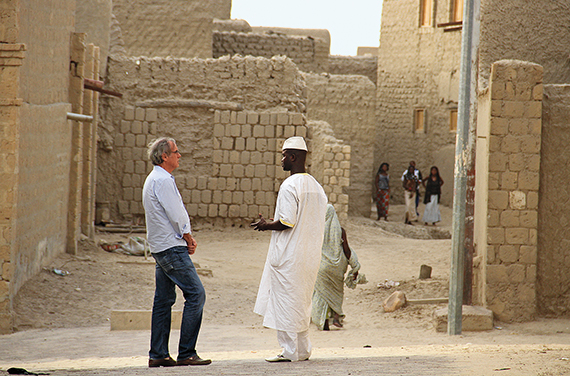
(293, 259)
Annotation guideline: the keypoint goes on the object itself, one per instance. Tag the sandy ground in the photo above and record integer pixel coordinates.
(52, 308)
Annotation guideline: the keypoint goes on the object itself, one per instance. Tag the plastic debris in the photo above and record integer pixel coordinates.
(388, 284)
(60, 272)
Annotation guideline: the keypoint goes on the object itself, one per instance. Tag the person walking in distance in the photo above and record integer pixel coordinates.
(169, 235)
(294, 256)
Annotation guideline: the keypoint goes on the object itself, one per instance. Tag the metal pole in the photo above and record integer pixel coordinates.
(463, 155)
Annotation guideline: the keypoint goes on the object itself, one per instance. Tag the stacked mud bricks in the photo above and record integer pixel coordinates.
(514, 166)
(336, 176)
(246, 170)
(11, 56)
(136, 130)
(310, 54)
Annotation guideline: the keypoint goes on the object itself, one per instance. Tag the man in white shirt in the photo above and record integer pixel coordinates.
(169, 235)
(294, 256)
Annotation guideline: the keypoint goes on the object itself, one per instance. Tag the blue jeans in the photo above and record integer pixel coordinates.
(175, 268)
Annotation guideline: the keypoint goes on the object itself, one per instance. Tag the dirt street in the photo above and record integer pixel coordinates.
(63, 321)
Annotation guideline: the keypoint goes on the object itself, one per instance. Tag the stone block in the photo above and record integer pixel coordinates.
(495, 143)
(202, 210)
(206, 196)
(516, 163)
(267, 184)
(235, 130)
(231, 184)
(219, 130)
(217, 197)
(223, 210)
(301, 131)
(191, 182)
(225, 170)
(533, 109)
(129, 113)
(139, 114)
(530, 276)
(511, 144)
(241, 118)
(192, 209)
(509, 180)
(518, 126)
(516, 235)
(246, 130)
(264, 119)
(498, 199)
(227, 143)
(493, 218)
(238, 170)
(261, 144)
(516, 273)
(496, 235)
(493, 179)
(499, 126)
(227, 197)
(530, 144)
(529, 219)
(510, 218)
(496, 274)
(508, 253)
(269, 131)
(125, 126)
(212, 210)
(196, 196)
(234, 211)
(288, 131)
(258, 131)
(529, 180)
(513, 109)
(532, 200)
(217, 156)
(253, 211)
(252, 118)
(528, 254)
(282, 119)
(498, 162)
(297, 119)
(473, 318)
(225, 117)
(233, 117)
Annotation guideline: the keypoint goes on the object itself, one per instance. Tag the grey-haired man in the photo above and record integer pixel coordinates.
(169, 235)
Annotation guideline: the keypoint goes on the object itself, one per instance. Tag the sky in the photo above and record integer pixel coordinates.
(351, 23)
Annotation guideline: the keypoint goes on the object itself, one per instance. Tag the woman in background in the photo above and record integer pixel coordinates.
(382, 196)
(410, 183)
(433, 194)
(329, 288)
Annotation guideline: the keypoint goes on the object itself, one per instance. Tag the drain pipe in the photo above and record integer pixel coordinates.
(463, 155)
(79, 117)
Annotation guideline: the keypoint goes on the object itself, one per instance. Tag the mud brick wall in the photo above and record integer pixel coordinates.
(508, 148)
(554, 207)
(229, 117)
(177, 28)
(347, 103)
(310, 54)
(330, 164)
(362, 65)
(34, 140)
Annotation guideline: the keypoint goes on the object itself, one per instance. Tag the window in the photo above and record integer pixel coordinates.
(419, 120)
(426, 12)
(456, 10)
(453, 120)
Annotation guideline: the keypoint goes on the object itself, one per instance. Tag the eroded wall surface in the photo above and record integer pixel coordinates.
(418, 68)
(310, 54)
(554, 206)
(166, 27)
(361, 65)
(347, 103)
(529, 31)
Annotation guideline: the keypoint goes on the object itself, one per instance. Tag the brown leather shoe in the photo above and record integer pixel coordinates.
(194, 361)
(166, 362)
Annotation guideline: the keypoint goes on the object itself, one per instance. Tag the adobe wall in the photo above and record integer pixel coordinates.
(554, 207)
(362, 65)
(309, 54)
(93, 17)
(222, 9)
(507, 191)
(178, 28)
(35, 139)
(529, 31)
(229, 116)
(347, 103)
(418, 67)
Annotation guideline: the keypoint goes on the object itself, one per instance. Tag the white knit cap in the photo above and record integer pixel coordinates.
(295, 142)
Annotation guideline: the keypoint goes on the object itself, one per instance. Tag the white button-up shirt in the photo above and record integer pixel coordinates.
(166, 217)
